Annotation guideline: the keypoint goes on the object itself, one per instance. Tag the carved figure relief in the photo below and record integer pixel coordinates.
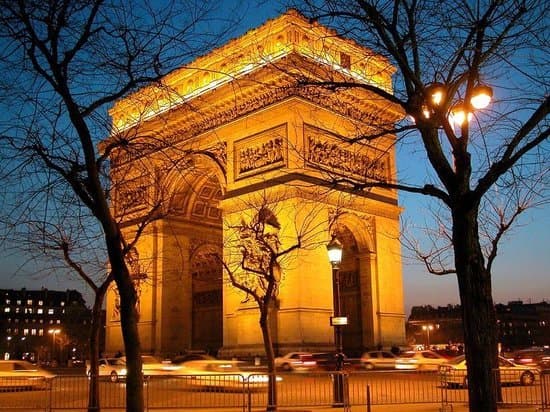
(132, 195)
(261, 152)
(327, 152)
(256, 157)
(115, 313)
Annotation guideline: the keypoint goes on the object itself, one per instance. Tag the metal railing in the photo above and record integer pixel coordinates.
(246, 392)
(516, 387)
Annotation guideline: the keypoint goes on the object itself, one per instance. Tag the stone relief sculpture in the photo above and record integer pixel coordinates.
(364, 165)
(264, 154)
(132, 196)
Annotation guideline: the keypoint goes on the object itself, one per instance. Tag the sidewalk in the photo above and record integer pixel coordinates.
(420, 407)
(436, 408)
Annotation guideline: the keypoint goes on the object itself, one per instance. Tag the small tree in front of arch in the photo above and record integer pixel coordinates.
(261, 251)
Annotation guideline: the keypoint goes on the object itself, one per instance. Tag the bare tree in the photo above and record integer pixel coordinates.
(445, 53)
(259, 249)
(64, 63)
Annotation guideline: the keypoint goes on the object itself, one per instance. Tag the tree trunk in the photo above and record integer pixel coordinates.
(478, 311)
(128, 316)
(129, 320)
(268, 345)
(93, 393)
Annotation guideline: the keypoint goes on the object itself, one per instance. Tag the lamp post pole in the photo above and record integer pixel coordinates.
(428, 329)
(335, 257)
(53, 332)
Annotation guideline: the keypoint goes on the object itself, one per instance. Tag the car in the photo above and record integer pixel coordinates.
(222, 374)
(536, 356)
(296, 361)
(178, 360)
(455, 372)
(327, 361)
(113, 368)
(419, 360)
(23, 374)
(153, 366)
(378, 359)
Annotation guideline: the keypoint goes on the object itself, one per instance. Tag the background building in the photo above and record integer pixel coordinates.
(43, 325)
(519, 324)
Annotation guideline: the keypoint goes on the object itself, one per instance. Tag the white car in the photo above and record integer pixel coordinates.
(296, 361)
(455, 372)
(152, 366)
(23, 374)
(222, 374)
(426, 360)
(378, 359)
(114, 368)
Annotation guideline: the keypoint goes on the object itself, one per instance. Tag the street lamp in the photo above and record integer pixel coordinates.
(53, 332)
(7, 354)
(334, 249)
(428, 329)
(435, 96)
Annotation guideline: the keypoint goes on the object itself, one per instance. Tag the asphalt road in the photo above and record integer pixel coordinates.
(295, 389)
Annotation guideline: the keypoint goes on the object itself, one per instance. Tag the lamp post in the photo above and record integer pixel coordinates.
(8, 354)
(428, 329)
(53, 332)
(334, 249)
(460, 112)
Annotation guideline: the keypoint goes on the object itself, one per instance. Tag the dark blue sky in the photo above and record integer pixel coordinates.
(520, 272)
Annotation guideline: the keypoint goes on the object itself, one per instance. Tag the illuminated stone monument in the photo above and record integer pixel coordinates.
(242, 127)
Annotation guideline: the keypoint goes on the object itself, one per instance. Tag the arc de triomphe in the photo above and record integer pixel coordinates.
(238, 130)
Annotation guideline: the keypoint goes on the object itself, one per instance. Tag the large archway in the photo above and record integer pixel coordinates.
(350, 293)
(197, 215)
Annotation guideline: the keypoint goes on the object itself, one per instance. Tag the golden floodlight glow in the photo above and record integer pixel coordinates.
(425, 112)
(334, 249)
(481, 96)
(460, 114)
(436, 93)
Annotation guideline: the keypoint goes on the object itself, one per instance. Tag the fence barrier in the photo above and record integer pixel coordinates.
(244, 392)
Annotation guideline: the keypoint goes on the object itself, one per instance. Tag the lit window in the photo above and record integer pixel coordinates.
(16, 310)
(62, 310)
(18, 301)
(51, 321)
(28, 310)
(8, 301)
(40, 303)
(6, 310)
(29, 301)
(16, 331)
(8, 330)
(40, 311)
(50, 311)
(40, 332)
(58, 321)
(25, 332)
(62, 303)
(41, 320)
(33, 332)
